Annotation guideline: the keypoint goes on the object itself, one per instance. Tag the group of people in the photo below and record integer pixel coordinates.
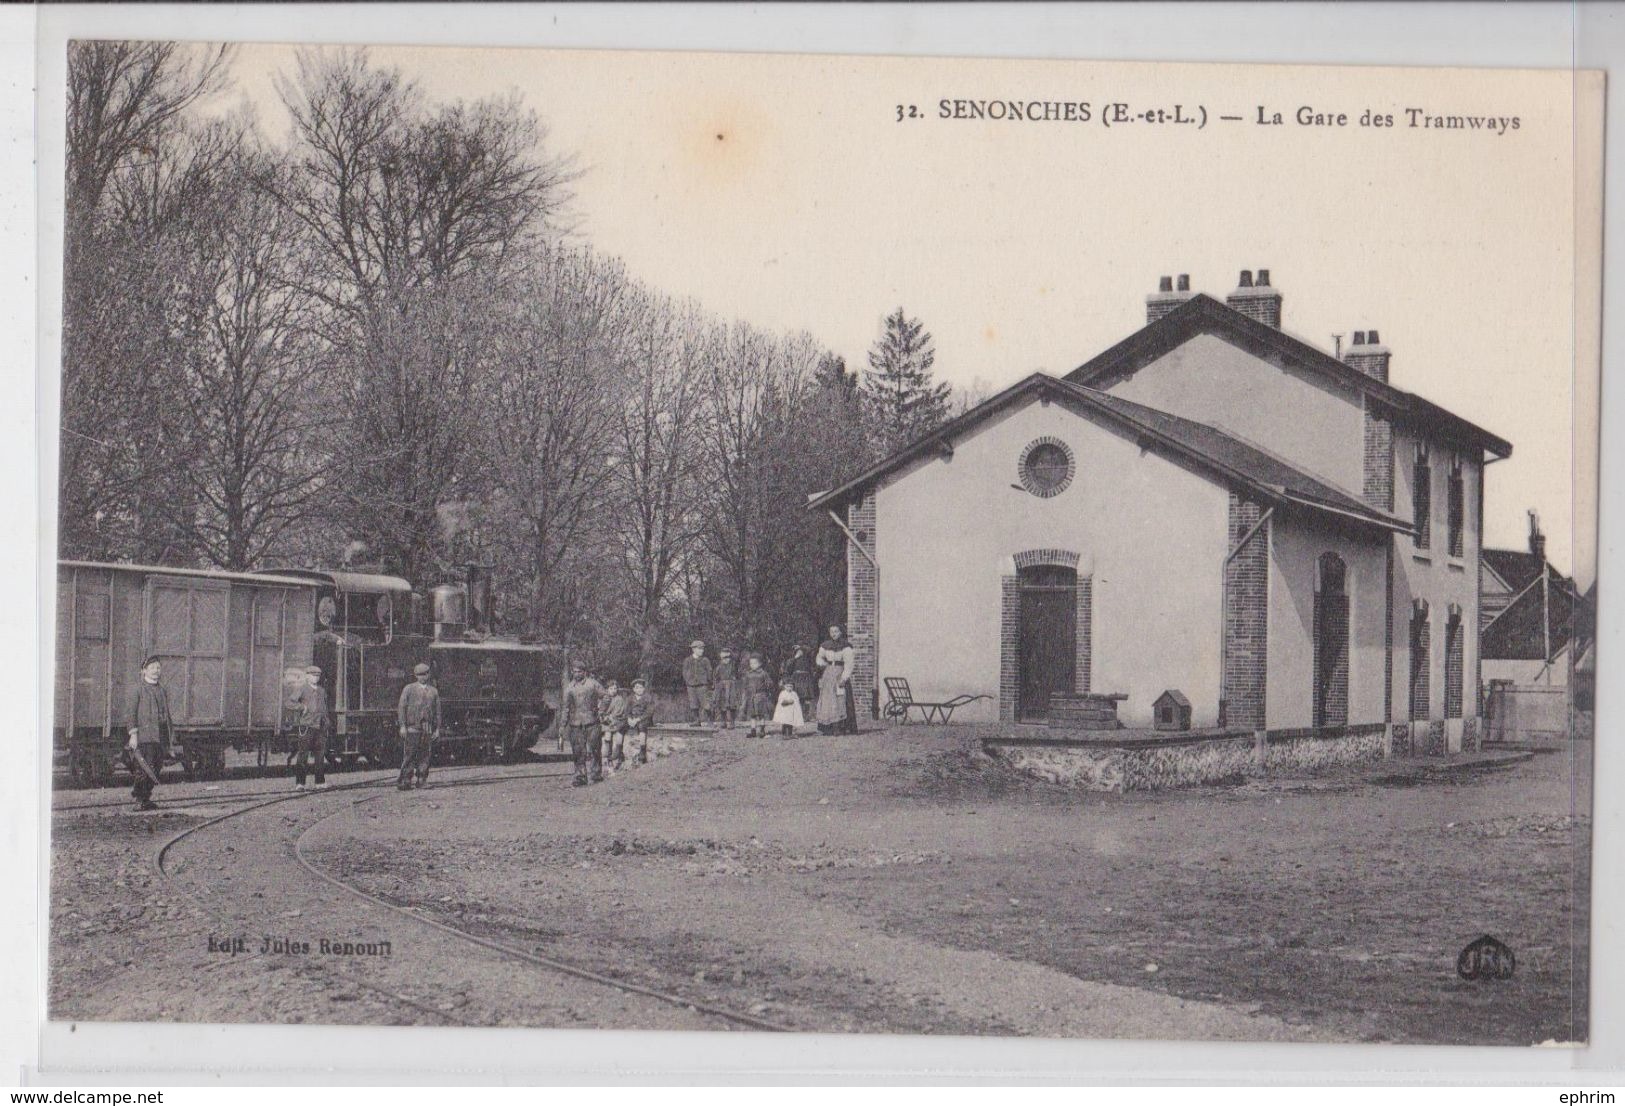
(721, 693)
(597, 718)
(152, 729)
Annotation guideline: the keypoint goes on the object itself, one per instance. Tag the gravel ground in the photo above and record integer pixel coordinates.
(897, 881)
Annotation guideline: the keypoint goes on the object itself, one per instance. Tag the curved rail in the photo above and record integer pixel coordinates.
(560, 966)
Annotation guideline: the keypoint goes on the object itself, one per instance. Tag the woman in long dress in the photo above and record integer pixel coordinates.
(835, 709)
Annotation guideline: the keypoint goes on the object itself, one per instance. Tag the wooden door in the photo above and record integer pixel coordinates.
(186, 629)
(1049, 634)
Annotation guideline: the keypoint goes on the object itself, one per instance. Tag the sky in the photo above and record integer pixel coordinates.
(783, 190)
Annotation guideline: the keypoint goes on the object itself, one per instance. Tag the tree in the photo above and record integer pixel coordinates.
(552, 403)
(136, 166)
(418, 216)
(397, 193)
(248, 404)
(654, 481)
(902, 399)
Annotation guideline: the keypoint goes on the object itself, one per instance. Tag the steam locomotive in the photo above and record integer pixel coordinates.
(233, 645)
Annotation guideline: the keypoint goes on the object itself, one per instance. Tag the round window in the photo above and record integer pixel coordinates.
(1046, 467)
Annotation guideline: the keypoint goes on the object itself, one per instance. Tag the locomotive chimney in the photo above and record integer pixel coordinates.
(479, 596)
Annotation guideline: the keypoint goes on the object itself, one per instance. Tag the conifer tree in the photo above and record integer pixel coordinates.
(902, 398)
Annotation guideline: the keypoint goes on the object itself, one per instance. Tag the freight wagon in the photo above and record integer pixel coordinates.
(228, 642)
(234, 644)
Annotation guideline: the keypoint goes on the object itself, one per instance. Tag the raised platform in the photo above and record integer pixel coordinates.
(1150, 760)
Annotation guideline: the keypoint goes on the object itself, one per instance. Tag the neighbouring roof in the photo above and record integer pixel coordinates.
(1221, 455)
(1518, 632)
(1517, 568)
(284, 579)
(1202, 314)
(361, 583)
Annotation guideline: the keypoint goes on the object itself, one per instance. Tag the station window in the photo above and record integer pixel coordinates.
(1457, 508)
(1422, 498)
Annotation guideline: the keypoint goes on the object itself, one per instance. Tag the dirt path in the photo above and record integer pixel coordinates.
(893, 882)
(245, 933)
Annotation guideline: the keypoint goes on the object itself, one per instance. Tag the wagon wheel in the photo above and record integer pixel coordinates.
(99, 768)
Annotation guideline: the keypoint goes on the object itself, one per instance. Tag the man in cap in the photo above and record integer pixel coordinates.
(150, 729)
(419, 717)
(310, 701)
(697, 679)
(578, 720)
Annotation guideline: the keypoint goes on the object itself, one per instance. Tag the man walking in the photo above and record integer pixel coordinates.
(579, 721)
(151, 730)
(697, 679)
(419, 716)
(310, 700)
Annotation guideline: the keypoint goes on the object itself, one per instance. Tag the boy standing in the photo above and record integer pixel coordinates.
(724, 690)
(151, 729)
(613, 717)
(419, 717)
(310, 700)
(579, 722)
(640, 715)
(697, 679)
(758, 696)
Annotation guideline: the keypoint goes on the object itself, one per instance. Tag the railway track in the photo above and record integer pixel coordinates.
(213, 799)
(501, 949)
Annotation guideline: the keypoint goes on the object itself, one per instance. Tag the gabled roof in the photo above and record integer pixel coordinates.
(1202, 314)
(1518, 633)
(1221, 456)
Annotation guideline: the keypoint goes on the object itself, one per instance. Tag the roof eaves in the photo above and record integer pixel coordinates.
(1188, 318)
(942, 435)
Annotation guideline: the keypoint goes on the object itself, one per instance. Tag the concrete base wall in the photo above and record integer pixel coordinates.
(1184, 762)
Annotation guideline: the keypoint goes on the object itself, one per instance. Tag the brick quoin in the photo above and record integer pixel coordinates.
(1246, 619)
(1086, 633)
(1009, 646)
(862, 610)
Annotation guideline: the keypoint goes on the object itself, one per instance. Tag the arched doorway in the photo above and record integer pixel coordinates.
(1047, 646)
(1331, 633)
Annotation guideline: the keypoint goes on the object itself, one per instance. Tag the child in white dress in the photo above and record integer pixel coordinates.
(787, 711)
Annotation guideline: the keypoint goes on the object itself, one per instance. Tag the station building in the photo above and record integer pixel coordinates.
(1212, 507)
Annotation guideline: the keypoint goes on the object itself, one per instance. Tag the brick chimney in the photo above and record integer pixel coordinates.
(1167, 297)
(1256, 299)
(1367, 353)
(1537, 540)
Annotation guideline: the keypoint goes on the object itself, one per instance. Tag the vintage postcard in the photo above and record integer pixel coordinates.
(800, 543)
